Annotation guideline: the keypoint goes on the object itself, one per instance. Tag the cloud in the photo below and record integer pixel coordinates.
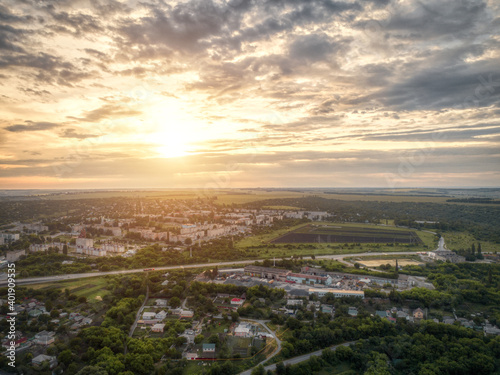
(31, 126)
(107, 111)
(71, 133)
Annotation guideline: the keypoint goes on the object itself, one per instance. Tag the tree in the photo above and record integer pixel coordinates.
(92, 370)
(199, 339)
(188, 241)
(214, 339)
(234, 316)
(175, 302)
(479, 251)
(259, 370)
(65, 249)
(280, 369)
(65, 357)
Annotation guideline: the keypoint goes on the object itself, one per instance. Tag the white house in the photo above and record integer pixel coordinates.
(161, 315)
(148, 315)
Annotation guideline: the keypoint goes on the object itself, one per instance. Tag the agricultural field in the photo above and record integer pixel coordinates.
(94, 289)
(342, 233)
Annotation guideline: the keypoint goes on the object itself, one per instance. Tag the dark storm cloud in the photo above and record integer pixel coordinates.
(459, 86)
(31, 126)
(431, 18)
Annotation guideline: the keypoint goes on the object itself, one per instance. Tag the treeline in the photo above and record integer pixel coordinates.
(474, 200)
(427, 349)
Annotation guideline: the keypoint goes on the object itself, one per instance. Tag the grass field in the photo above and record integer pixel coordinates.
(91, 288)
(392, 262)
(264, 238)
(463, 240)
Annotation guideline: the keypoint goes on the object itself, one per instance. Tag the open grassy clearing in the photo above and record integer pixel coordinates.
(325, 249)
(464, 240)
(263, 238)
(88, 287)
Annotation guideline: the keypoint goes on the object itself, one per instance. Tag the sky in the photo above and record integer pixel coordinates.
(249, 93)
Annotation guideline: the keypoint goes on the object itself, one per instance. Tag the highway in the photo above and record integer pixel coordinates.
(74, 276)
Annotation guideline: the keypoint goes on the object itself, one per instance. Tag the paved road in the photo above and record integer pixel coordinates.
(301, 358)
(47, 279)
(441, 245)
(139, 313)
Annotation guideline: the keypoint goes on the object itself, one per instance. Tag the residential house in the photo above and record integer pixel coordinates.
(401, 314)
(161, 315)
(158, 327)
(243, 330)
(353, 311)
(328, 309)
(44, 338)
(40, 359)
(418, 314)
(191, 356)
(208, 348)
(186, 314)
(161, 302)
(148, 316)
(237, 302)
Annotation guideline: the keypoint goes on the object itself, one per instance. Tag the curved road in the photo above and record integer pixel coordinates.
(300, 358)
(278, 341)
(46, 279)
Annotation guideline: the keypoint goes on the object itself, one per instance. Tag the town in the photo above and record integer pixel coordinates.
(213, 287)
